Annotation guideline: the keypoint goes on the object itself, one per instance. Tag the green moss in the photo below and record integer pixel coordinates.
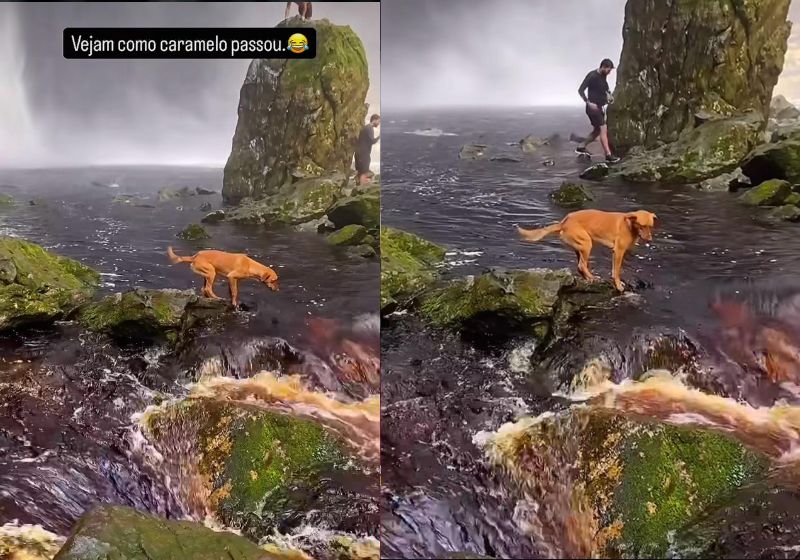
(769, 193)
(793, 199)
(348, 235)
(571, 195)
(7, 201)
(194, 232)
(407, 264)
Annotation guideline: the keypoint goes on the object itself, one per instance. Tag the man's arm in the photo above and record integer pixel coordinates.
(582, 89)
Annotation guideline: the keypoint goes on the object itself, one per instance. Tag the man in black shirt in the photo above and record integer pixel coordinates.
(366, 139)
(595, 93)
(303, 9)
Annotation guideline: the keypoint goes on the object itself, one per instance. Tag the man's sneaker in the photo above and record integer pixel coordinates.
(580, 150)
(612, 159)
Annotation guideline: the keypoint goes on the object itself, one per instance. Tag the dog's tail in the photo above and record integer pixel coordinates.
(175, 259)
(537, 234)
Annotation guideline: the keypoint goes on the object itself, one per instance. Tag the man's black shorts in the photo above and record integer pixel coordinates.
(362, 163)
(596, 116)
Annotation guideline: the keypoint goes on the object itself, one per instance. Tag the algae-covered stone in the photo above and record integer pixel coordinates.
(793, 199)
(785, 213)
(780, 160)
(149, 315)
(6, 201)
(305, 200)
(769, 193)
(700, 153)
(512, 297)
(571, 195)
(407, 264)
(635, 483)
(122, 533)
(298, 117)
(688, 57)
(595, 172)
(472, 151)
(194, 232)
(362, 207)
(265, 470)
(348, 235)
(37, 286)
(531, 144)
(166, 194)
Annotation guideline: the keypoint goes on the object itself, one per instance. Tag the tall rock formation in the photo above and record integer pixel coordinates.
(684, 60)
(298, 117)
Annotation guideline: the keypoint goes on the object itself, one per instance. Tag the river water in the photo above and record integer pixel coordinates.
(712, 262)
(70, 401)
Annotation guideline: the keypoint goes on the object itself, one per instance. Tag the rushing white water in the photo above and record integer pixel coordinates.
(18, 135)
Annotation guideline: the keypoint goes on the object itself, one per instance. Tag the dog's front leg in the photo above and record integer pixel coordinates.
(618, 257)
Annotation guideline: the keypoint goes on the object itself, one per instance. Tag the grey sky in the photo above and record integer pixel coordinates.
(514, 52)
(72, 112)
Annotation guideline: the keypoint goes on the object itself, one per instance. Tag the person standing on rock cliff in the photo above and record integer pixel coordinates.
(366, 139)
(595, 93)
(303, 8)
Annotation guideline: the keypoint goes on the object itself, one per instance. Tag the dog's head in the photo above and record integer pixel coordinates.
(270, 279)
(642, 223)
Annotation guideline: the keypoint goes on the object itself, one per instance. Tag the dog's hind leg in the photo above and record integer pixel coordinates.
(582, 243)
(209, 273)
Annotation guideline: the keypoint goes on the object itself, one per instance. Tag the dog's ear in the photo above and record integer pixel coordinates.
(632, 219)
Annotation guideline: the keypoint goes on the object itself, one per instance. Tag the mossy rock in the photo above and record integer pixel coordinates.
(640, 482)
(122, 533)
(364, 251)
(472, 151)
(700, 153)
(361, 208)
(531, 144)
(37, 286)
(596, 172)
(571, 195)
(407, 264)
(265, 470)
(785, 213)
(194, 232)
(303, 201)
(769, 193)
(298, 118)
(780, 160)
(793, 199)
(149, 315)
(7, 201)
(509, 297)
(166, 194)
(348, 235)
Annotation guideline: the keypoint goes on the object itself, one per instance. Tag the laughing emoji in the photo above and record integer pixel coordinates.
(297, 43)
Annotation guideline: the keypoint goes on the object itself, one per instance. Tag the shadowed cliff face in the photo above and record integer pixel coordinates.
(684, 57)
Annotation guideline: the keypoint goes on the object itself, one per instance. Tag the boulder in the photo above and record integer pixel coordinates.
(193, 232)
(303, 201)
(781, 109)
(363, 207)
(683, 58)
(143, 315)
(633, 483)
(120, 532)
(472, 151)
(349, 235)
(596, 172)
(37, 286)
(407, 265)
(571, 195)
(298, 117)
(265, 471)
(779, 160)
(214, 217)
(769, 193)
(785, 213)
(732, 181)
(701, 153)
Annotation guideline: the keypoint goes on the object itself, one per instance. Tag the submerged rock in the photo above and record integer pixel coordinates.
(507, 158)
(407, 264)
(298, 117)
(571, 195)
(174, 194)
(265, 471)
(201, 191)
(214, 217)
(37, 286)
(472, 151)
(305, 200)
(363, 207)
(531, 143)
(682, 58)
(6, 201)
(769, 193)
(123, 533)
(701, 153)
(150, 315)
(780, 160)
(785, 213)
(595, 172)
(206, 206)
(194, 232)
(349, 235)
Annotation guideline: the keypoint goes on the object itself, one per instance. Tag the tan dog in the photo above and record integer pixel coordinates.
(234, 266)
(617, 230)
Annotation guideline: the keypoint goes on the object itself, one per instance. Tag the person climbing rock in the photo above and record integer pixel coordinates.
(595, 93)
(366, 139)
(303, 8)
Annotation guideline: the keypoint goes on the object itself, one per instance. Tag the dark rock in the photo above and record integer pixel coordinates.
(202, 191)
(298, 116)
(681, 58)
(214, 217)
(571, 195)
(506, 158)
(780, 160)
(596, 172)
(194, 232)
(363, 207)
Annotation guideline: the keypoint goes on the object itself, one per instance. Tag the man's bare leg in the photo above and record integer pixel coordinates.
(604, 139)
(589, 139)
